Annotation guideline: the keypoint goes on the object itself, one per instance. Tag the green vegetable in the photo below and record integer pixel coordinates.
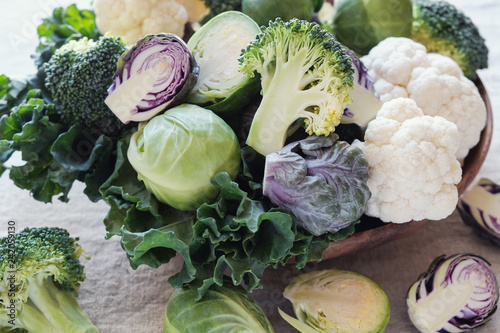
(218, 6)
(318, 4)
(55, 153)
(66, 24)
(362, 24)
(305, 74)
(221, 309)
(78, 76)
(40, 281)
(216, 48)
(444, 29)
(238, 235)
(263, 11)
(177, 153)
(337, 301)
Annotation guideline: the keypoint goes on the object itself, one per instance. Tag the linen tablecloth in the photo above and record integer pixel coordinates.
(119, 299)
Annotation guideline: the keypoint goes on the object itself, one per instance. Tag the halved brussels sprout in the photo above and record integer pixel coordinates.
(216, 47)
(337, 301)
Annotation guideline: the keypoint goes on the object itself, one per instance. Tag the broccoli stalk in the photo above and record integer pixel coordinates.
(444, 29)
(40, 276)
(305, 74)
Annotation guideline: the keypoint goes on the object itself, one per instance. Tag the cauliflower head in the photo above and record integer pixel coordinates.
(133, 19)
(401, 67)
(413, 167)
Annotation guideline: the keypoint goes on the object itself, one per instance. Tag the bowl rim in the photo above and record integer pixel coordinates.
(471, 166)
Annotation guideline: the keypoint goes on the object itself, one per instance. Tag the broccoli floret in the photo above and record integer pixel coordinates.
(218, 6)
(78, 76)
(305, 74)
(40, 276)
(444, 29)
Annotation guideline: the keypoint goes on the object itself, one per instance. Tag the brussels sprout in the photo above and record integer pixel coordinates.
(455, 294)
(222, 309)
(479, 208)
(337, 301)
(362, 24)
(216, 47)
(263, 11)
(157, 73)
(177, 153)
(320, 180)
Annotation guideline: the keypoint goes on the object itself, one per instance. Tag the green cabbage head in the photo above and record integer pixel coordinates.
(177, 153)
(222, 309)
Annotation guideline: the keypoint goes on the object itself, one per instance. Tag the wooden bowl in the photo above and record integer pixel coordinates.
(388, 231)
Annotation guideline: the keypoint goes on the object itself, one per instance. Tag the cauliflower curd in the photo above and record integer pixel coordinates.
(413, 168)
(401, 67)
(133, 19)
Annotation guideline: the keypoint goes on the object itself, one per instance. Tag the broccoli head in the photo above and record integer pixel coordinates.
(78, 76)
(40, 276)
(305, 74)
(444, 29)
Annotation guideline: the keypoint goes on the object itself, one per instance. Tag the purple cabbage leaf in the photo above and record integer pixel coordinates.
(155, 74)
(320, 180)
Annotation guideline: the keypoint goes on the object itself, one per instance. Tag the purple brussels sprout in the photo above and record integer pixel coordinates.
(320, 180)
(157, 73)
(455, 294)
(479, 208)
(365, 102)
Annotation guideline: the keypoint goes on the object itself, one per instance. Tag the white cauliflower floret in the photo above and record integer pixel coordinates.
(390, 64)
(454, 98)
(401, 67)
(133, 19)
(413, 168)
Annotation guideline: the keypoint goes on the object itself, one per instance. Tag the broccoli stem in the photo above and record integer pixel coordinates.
(33, 320)
(59, 308)
(282, 103)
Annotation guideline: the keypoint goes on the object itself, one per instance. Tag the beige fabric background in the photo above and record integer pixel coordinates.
(121, 300)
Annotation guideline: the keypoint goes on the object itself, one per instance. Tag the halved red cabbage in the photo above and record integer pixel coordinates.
(455, 294)
(365, 102)
(479, 208)
(157, 73)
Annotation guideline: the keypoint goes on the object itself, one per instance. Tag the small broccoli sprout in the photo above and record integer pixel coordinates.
(38, 284)
(78, 76)
(305, 74)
